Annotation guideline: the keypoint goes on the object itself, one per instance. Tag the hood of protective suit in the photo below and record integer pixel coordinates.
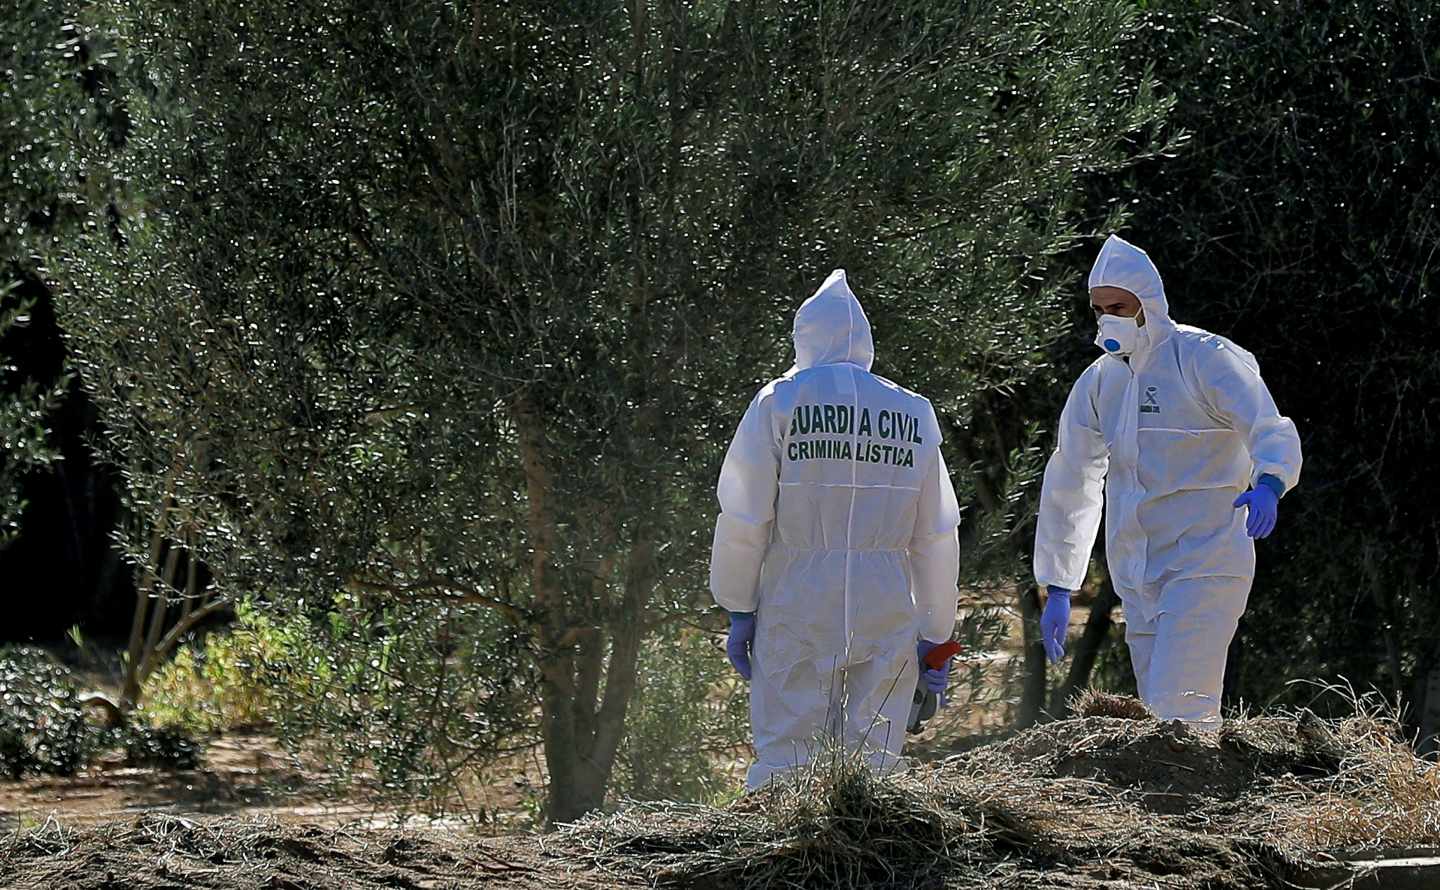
(1123, 265)
(831, 328)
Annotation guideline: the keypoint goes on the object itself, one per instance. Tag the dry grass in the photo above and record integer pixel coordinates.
(968, 822)
(835, 825)
(1113, 800)
(1094, 703)
(1372, 791)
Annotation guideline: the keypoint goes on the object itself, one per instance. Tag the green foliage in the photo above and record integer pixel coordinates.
(689, 718)
(42, 724)
(344, 307)
(220, 684)
(341, 684)
(44, 728)
(25, 405)
(416, 701)
(54, 97)
(167, 747)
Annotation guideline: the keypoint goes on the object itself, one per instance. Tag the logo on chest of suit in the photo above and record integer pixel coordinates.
(1151, 403)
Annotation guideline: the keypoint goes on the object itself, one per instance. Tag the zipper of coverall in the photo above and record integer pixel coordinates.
(1137, 492)
(854, 468)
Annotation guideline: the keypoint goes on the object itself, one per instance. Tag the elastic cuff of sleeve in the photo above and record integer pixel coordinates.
(1272, 483)
(1056, 591)
(741, 614)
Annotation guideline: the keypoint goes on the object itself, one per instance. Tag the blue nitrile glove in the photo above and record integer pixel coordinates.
(1264, 503)
(741, 639)
(935, 679)
(1055, 622)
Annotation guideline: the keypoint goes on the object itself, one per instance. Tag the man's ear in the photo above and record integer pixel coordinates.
(1140, 318)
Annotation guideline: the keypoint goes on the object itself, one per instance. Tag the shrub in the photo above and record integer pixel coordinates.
(687, 714)
(42, 723)
(44, 728)
(221, 684)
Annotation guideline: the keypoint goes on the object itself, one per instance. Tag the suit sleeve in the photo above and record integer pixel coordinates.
(1072, 496)
(935, 550)
(1231, 384)
(749, 481)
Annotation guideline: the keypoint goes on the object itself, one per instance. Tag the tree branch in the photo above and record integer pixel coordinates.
(620, 677)
(181, 628)
(438, 588)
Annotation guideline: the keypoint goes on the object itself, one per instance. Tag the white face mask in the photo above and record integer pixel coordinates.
(1118, 334)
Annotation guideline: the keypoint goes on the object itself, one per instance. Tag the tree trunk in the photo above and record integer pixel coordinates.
(581, 740)
(160, 608)
(1385, 605)
(1087, 649)
(1429, 740)
(1425, 712)
(590, 761)
(555, 655)
(626, 630)
(144, 590)
(582, 726)
(1032, 697)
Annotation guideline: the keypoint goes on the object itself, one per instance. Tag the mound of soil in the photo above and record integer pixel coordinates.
(1090, 803)
(1168, 768)
(1095, 803)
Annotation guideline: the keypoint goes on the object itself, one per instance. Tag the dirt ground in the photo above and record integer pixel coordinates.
(250, 775)
(252, 816)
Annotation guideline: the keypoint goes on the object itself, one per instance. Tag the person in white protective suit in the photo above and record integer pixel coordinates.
(1175, 424)
(836, 550)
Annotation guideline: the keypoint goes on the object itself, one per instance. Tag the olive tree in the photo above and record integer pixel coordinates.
(432, 322)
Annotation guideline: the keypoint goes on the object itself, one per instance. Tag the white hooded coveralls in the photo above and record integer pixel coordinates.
(1174, 435)
(838, 527)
